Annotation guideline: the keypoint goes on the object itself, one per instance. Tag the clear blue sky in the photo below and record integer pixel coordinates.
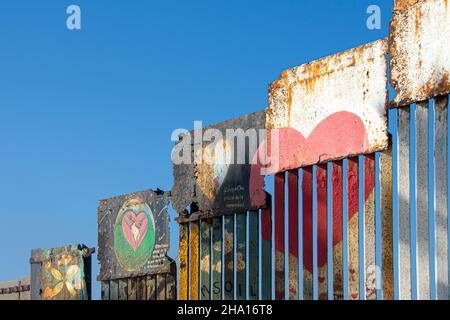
(88, 114)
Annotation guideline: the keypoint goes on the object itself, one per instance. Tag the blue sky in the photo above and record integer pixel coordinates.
(87, 114)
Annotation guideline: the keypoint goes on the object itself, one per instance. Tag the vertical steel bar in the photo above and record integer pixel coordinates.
(266, 250)
(184, 262)
(423, 236)
(229, 257)
(307, 224)
(441, 187)
(216, 285)
(253, 263)
(293, 234)
(241, 253)
(330, 231)
(404, 203)
(279, 236)
(194, 250)
(369, 275)
(205, 260)
(322, 230)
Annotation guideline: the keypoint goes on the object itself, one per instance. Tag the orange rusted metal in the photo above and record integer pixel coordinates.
(420, 50)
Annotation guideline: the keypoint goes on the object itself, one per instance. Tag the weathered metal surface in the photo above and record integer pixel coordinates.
(151, 287)
(440, 176)
(337, 199)
(307, 204)
(184, 262)
(293, 234)
(105, 290)
(160, 287)
(114, 290)
(253, 255)
(386, 220)
(228, 267)
(279, 235)
(353, 228)
(62, 274)
(420, 50)
(369, 245)
(322, 237)
(241, 254)
(171, 283)
(216, 286)
(132, 289)
(214, 181)
(404, 259)
(133, 235)
(330, 108)
(205, 260)
(423, 236)
(266, 250)
(194, 261)
(123, 289)
(141, 288)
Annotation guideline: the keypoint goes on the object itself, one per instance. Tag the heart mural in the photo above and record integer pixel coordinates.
(134, 234)
(135, 228)
(340, 133)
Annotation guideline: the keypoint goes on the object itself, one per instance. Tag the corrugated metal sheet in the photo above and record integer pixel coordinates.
(215, 184)
(330, 108)
(420, 50)
(133, 235)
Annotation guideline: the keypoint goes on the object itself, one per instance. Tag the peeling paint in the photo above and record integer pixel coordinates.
(419, 50)
(331, 108)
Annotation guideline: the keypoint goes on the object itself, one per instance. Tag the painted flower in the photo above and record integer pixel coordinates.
(71, 279)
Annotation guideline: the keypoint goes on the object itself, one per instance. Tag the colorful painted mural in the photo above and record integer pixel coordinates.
(217, 177)
(134, 235)
(61, 273)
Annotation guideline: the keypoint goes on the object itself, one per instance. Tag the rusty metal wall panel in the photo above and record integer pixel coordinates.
(215, 184)
(194, 261)
(420, 50)
(184, 262)
(64, 273)
(312, 104)
(133, 235)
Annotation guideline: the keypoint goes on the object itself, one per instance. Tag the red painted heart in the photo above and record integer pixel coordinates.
(134, 228)
(340, 134)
